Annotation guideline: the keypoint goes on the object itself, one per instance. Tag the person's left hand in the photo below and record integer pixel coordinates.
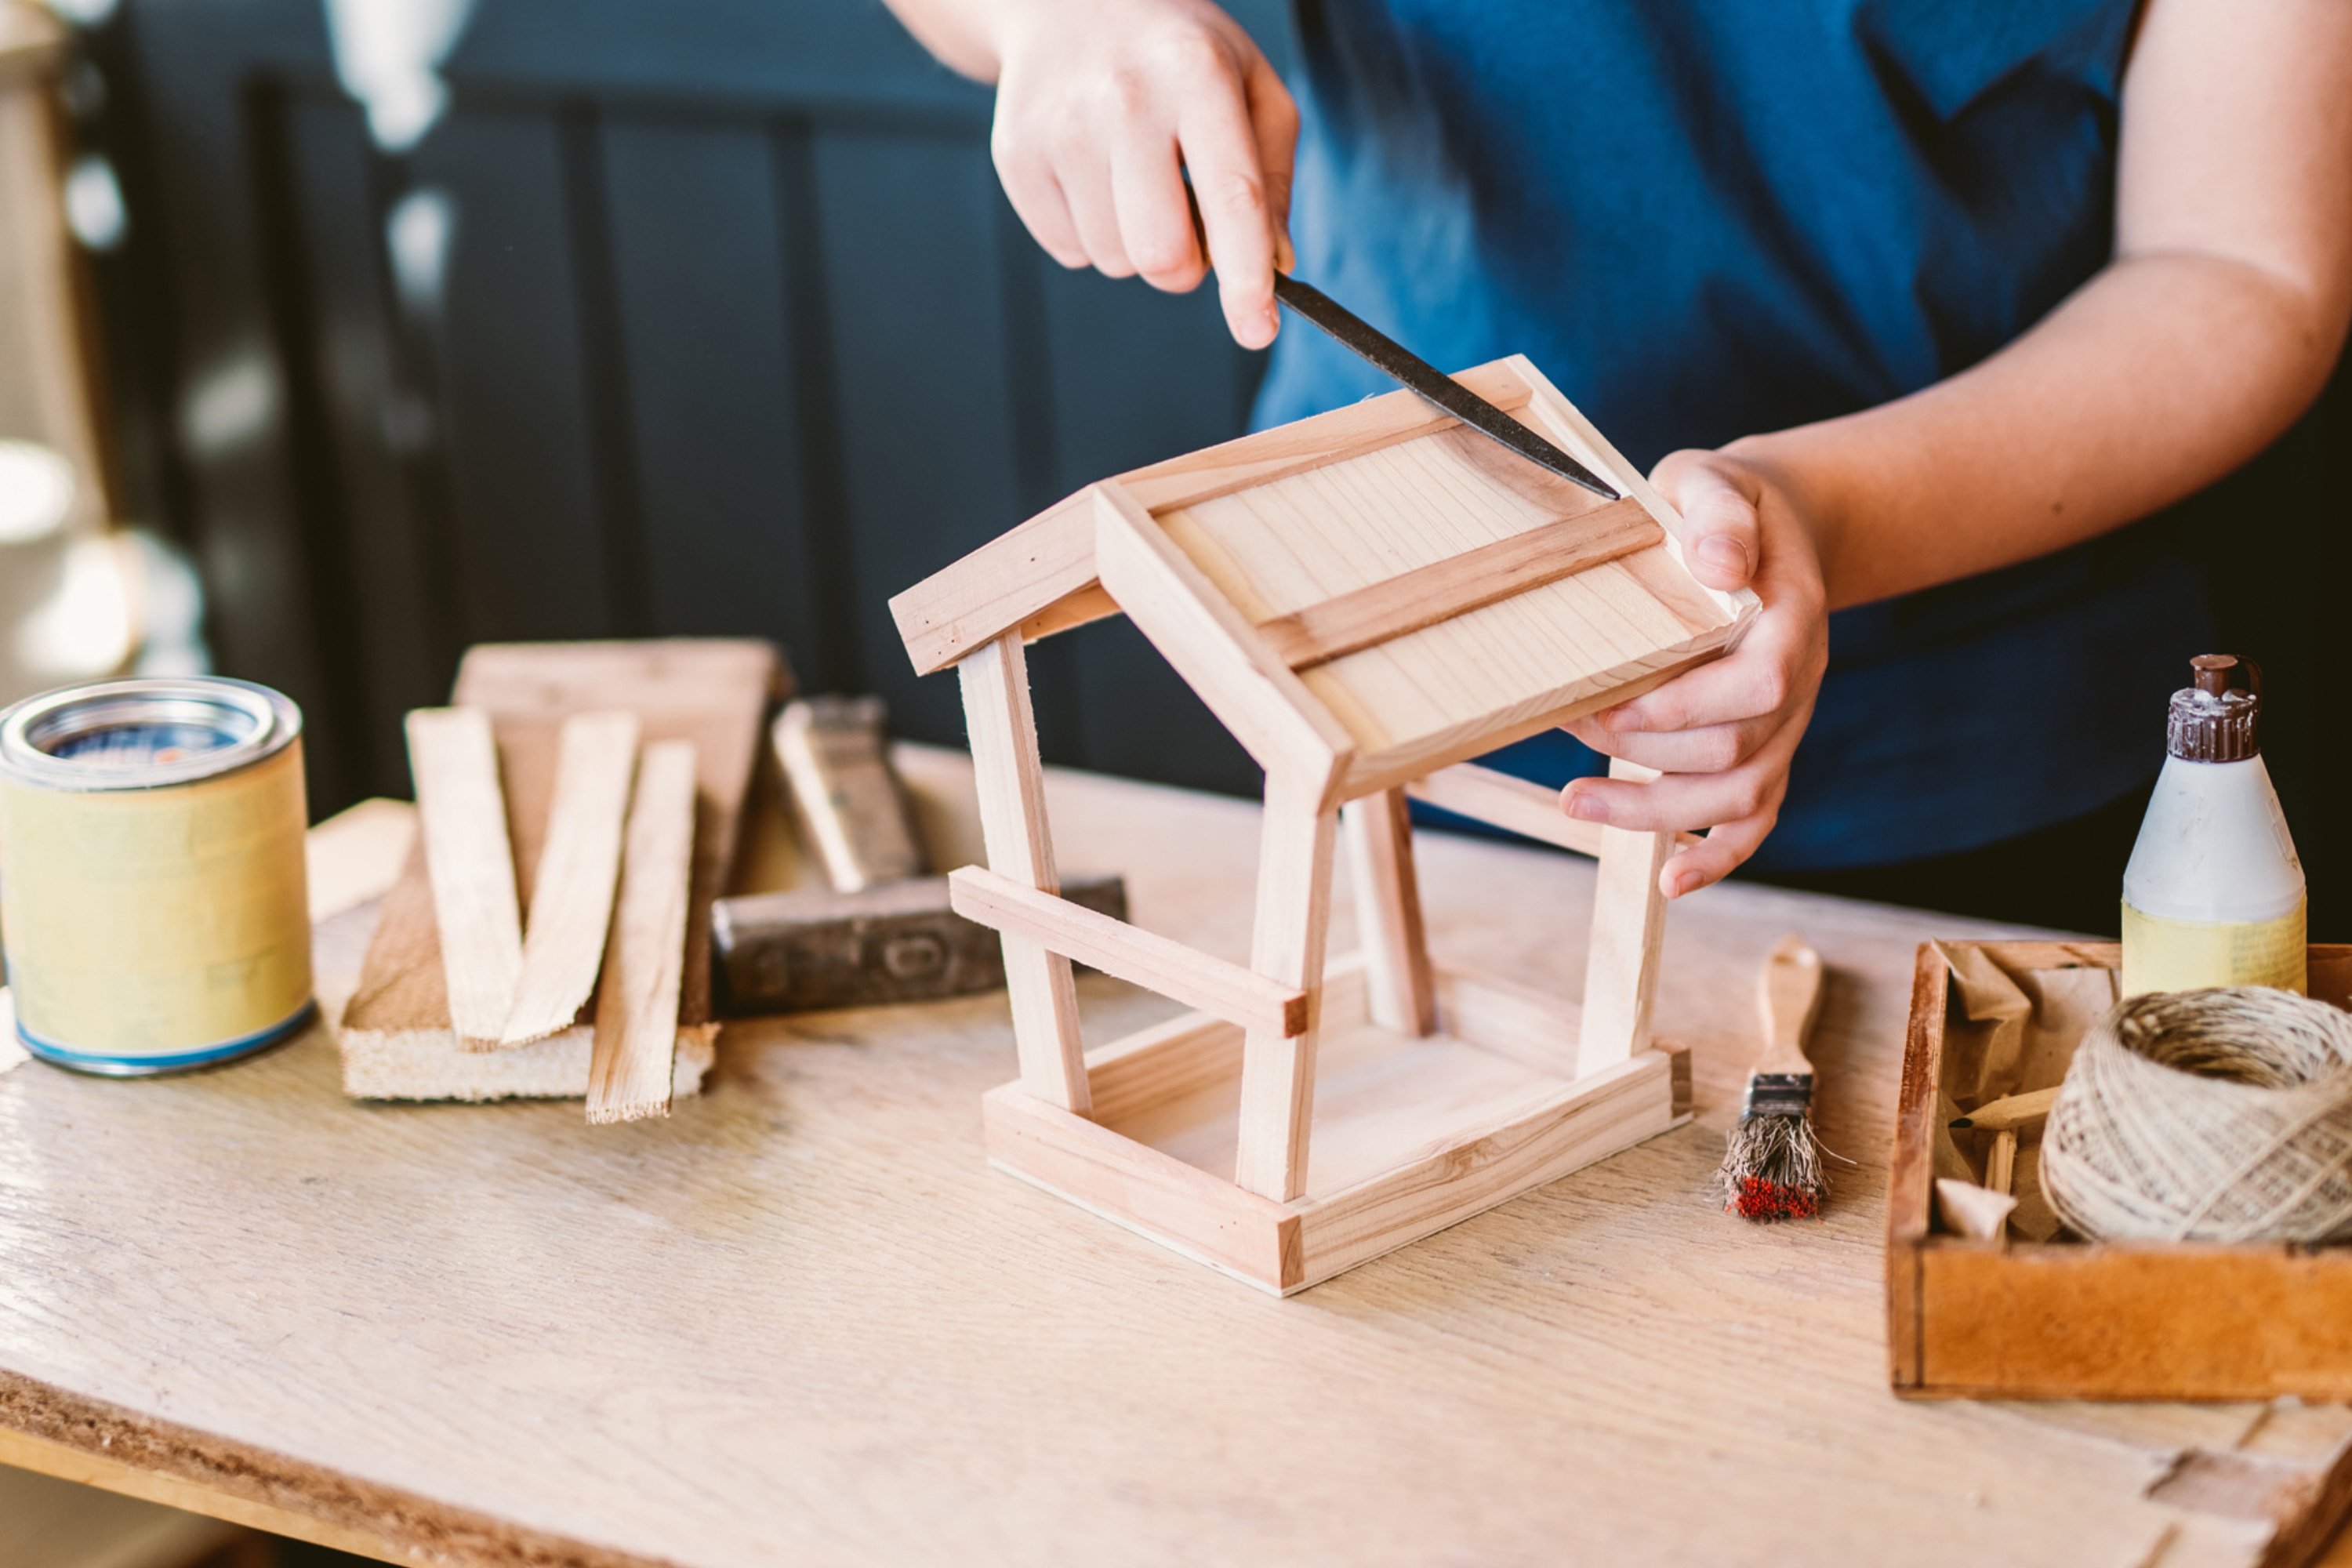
(1721, 735)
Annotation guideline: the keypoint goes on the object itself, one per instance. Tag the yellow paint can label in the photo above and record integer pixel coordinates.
(156, 918)
(2188, 955)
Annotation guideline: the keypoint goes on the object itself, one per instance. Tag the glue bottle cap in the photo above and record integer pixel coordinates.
(2210, 720)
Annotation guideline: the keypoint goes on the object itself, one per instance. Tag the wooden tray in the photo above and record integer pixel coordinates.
(2073, 1320)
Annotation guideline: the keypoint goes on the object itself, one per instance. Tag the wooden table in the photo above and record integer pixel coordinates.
(803, 1322)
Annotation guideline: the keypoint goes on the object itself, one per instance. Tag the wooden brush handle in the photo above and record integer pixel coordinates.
(1789, 998)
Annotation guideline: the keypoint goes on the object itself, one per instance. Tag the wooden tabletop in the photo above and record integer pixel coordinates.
(802, 1321)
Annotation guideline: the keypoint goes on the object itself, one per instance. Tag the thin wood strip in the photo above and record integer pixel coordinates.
(470, 860)
(1313, 443)
(1621, 965)
(1458, 585)
(1556, 418)
(636, 1003)
(572, 900)
(1378, 830)
(1287, 942)
(1143, 958)
(1010, 785)
(1514, 805)
(1015, 576)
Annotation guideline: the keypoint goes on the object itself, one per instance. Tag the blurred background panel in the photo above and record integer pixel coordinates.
(441, 321)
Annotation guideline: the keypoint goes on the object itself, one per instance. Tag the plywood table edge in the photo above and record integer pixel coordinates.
(94, 1443)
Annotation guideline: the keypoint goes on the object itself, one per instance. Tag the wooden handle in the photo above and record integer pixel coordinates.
(1789, 998)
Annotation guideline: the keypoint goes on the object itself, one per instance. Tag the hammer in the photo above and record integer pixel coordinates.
(883, 931)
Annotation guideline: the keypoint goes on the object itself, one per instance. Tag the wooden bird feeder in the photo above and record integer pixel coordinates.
(1365, 599)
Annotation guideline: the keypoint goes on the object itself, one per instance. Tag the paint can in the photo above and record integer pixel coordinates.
(153, 904)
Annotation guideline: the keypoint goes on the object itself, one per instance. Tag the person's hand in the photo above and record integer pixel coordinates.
(1721, 735)
(1102, 106)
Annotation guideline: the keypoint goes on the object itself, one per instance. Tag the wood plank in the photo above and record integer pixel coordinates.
(1313, 443)
(1219, 654)
(1514, 805)
(636, 1000)
(1378, 830)
(1287, 938)
(395, 1036)
(1402, 764)
(1012, 788)
(1532, 1028)
(1584, 1121)
(464, 816)
(355, 855)
(1629, 920)
(1394, 606)
(572, 904)
(1019, 574)
(1165, 1062)
(1212, 1221)
(1139, 957)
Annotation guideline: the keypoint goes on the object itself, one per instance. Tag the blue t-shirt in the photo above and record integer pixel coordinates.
(1709, 218)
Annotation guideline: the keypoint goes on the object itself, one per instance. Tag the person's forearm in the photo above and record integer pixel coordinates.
(2158, 376)
(961, 33)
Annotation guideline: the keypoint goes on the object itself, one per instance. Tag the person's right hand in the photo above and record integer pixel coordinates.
(1102, 106)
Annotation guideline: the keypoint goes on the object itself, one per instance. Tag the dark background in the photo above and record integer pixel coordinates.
(738, 336)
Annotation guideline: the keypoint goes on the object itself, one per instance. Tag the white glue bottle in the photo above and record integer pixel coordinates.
(2214, 894)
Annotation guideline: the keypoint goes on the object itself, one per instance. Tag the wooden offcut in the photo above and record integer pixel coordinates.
(636, 1000)
(1366, 600)
(456, 766)
(564, 937)
(395, 1036)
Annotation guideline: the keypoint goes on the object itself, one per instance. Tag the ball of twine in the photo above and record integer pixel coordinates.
(2219, 1115)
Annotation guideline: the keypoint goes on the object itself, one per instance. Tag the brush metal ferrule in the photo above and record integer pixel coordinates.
(1777, 1094)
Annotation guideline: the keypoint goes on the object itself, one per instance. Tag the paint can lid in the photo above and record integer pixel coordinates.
(2210, 720)
(143, 733)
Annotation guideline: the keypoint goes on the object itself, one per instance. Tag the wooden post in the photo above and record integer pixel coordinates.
(1012, 785)
(1629, 919)
(1294, 911)
(1378, 830)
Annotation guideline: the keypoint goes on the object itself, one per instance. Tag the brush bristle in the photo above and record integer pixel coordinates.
(1772, 1169)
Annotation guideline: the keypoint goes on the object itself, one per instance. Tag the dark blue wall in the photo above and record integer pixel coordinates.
(737, 335)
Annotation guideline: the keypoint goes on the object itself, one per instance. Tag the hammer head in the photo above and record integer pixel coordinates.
(786, 952)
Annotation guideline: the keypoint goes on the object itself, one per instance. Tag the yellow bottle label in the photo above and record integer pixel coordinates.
(2186, 956)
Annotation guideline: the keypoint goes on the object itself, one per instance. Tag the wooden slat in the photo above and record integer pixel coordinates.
(1011, 578)
(1629, 922)
(1314, 443)
(637, 1002)
(1012, 789)
(572, 903)
(1556, 418)
(1143, 958)
(464, 816)
(1253, 694)
(1286, 943)
(1227, 1228)
(1391, 608)
(1378, 830)
(1514, 805)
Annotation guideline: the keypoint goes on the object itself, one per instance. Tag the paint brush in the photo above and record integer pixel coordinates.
(1772, 1160)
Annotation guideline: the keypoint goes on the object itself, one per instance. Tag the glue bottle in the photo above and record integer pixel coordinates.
(2214, 894)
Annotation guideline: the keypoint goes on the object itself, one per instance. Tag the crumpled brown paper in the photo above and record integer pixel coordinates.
(2012, 1031)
